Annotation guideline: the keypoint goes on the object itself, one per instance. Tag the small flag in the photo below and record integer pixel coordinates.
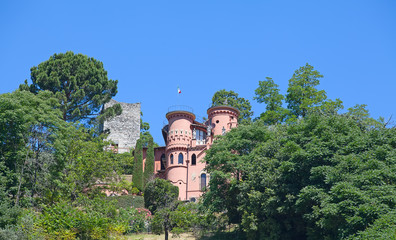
(178, 90)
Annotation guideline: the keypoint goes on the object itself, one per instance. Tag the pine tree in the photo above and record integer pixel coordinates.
(79, 82)
(149, 164)
(137, 177)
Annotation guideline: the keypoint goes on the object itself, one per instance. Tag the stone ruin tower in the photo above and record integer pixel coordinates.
(124, 129)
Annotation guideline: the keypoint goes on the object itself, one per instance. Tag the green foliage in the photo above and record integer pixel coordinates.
(81, 162)
(323, 177)
(24, 228)
(89, 219)
(302, 97)
(22, 116)
(149, 164)
(268, 93)
(43, 158)
(128, 201)
(383, 228)
(230, 98)
(29, 126)
(360, 114)
(8, 214)
(137, 175)
(177, 218)
(302, 93)
(160, 197)
(159, 193)
(145, 134)
(126, 162)
(184, 218)
(138, 219)
(79, 82)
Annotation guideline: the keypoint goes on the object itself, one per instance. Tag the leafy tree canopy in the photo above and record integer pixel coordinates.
(79, 82)
(230, 98)
(268, 93)
(29, 126)
(21, 113)
(303, 96)
(323, 177)
(159, 193)
(44, 158)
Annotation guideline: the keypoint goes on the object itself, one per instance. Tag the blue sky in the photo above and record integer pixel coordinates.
(151, 47)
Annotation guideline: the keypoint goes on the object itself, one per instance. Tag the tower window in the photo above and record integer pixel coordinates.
(193, 159)
(203, 181)
(163, 162)
(180, 161)
(171, 159)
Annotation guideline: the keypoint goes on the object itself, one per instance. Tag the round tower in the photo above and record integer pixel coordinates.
(222, 119)
(178, 139)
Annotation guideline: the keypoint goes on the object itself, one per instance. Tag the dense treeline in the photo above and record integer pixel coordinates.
(305, 171)
(323, 177)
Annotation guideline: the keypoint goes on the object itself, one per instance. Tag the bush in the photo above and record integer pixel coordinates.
(8, 214)
(24, 228)
(127, 201)
(136, 219)
(90, 219)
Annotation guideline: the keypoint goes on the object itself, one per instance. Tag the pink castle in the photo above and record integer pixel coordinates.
(186, 140)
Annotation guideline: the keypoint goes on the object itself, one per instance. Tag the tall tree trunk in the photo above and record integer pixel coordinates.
(166, 234)
(166, 226)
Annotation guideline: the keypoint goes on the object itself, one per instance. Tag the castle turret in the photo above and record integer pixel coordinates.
(178, 140)
(222, 119)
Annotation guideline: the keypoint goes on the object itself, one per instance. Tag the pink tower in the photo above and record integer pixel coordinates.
(181, 161)
(222, 119)
(178, 140)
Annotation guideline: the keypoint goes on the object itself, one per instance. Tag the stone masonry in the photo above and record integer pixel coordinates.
(125, 128)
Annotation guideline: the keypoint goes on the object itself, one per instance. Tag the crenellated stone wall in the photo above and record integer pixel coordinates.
(125, 128)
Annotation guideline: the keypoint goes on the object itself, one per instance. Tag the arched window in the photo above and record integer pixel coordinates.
(180, 158)
(171, 159)
(163, 162)
(193, 159)
(203, 181)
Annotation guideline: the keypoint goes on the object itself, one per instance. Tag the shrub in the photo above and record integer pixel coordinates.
(89, 219)
(127, 201)
(137, 219)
